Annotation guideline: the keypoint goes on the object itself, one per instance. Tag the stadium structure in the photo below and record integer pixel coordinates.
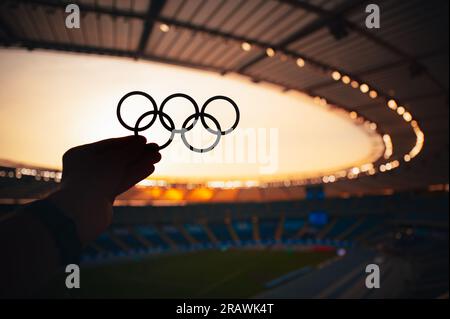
(392, 212)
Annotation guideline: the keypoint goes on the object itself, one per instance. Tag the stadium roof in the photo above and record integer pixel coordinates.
(298, 45)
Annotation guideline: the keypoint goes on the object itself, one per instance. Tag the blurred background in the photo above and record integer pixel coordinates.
(340, 159)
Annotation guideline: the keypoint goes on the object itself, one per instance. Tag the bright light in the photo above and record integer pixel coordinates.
(346, 79)
(353, 115)
(341, 252)
(389, 148)
(270, 52)
(317, 99)
(407, 158)
(311, 131)
(336, 75)
(392, 104)
(300, 62)
(420, 140)
(320, 101)
(173, 194)
(401, 110)
(200, 194)
(164, 27)
(373, 94)
(354, 84)
(407, 117)
(246, 46)
(364, 88)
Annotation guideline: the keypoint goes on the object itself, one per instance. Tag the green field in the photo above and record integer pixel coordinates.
(206, 274)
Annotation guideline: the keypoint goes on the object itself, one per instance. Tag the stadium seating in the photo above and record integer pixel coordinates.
(220, 230)
(244, 231)
(198, 233)
(267, 230)
(335, 222)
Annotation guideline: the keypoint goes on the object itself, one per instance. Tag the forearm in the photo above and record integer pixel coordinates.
(46, 235)
(28, 252)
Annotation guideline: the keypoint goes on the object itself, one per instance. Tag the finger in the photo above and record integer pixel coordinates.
(139, 170)
(117, 143)
(125, 152)
(152, 150)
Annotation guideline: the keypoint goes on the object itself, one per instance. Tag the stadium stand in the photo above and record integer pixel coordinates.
(401, 212)
(130, 235)
(411, 226)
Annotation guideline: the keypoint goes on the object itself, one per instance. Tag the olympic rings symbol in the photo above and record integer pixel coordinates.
(169, 125)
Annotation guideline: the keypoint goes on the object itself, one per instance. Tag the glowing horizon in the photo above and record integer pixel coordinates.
(54, 101)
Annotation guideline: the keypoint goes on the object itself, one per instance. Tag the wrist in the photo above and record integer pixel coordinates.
(61, 228)
(91, 213)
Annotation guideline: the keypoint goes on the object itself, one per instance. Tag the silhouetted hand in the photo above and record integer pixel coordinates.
(94, 174)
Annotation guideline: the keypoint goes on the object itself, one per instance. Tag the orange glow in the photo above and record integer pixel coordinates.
(364, 88)
(154, 192)
(346, 79)
(392, 104)
(71, 99)
(164, 27)
(401, 110)
(173, 194)
(300, 62)
(407, 117)
(200, 194)
(336, 75)
(270, 52)
(246, 46)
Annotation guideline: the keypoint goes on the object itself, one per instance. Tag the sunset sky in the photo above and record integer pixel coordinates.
(53, 101)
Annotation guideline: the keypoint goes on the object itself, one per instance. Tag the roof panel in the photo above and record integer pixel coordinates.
(189, 9)
(344, 95)
(228, 9)
(404, 22)
(399, 82)
(247, 13)
(410, 30)
(343, 54)
(208, 11)
(439, 68)
(287, 71)
(291, 22)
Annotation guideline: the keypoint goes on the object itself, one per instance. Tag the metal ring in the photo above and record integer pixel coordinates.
(187, 97)
(221, 97)
(172, 134)
(119, 106)
(201, 150)
(185, 127)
